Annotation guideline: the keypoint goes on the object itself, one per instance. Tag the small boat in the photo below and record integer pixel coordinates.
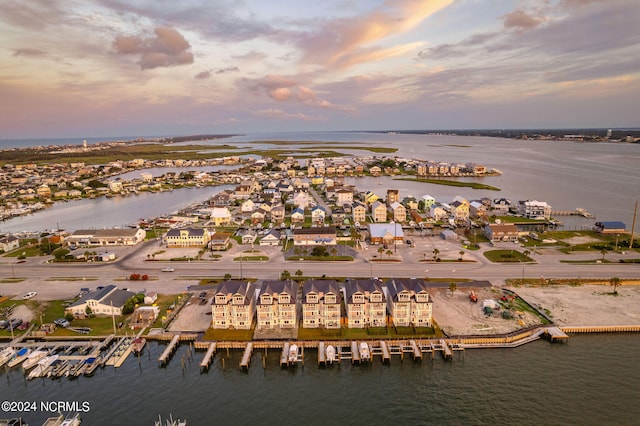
(90, 364)
(331, 354)
(21, 356)
(365, 355)
(138, 344)
(6, 355)
(43, 367)
(33, 359)
(293, 354)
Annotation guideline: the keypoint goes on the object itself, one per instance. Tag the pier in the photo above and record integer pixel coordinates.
(386, 357)
(206, 361)
(246, 357)
(554, 334)
(355, 353)
(168, 352)
(417, 354)
(322, 355)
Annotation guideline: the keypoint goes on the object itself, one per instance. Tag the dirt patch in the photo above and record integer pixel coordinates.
(581, 239)
(457, 315)
(23, 312)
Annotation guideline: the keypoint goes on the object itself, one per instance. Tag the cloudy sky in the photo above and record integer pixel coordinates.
(163, 67)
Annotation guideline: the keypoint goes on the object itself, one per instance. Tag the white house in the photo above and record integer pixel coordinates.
(107, 301)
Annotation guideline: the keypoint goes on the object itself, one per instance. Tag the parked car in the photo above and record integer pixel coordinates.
(15, 323)
(62, 322)
(29, 295)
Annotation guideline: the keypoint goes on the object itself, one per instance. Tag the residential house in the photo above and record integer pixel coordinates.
(399, 212)
(187, 237)
(534, 209)
(324, 235)
(409, 302)
(242, 191)
(427, 201)
(259, 215)
(501, 205)
(221, 199)
(301, 200)
(379, 212)
(297, 215)
(393, 196)
(318, 214)
(460, 211)
(43, 191)
(220, 216)
(478, 210)
(106, 301)
(277, 214)
(344, 197)
(249, 237)
(247, 206)
(276, 306)
(359, 212)
(9, 243)
(504, 232)
(233, 305)
(272, 238)
(375, 170)
(220, 241)
(438, 213)
(366, 303)
(321, 304)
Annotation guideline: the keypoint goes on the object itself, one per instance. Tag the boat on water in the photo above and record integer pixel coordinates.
(33, 359)
(331, 354)
(21, 356)
(365, 354)
(170, 422)
(293, 354)
(59, 368)
(138, 344)
(90, 364)
(43, 367)
(63, 421)
(6, 355)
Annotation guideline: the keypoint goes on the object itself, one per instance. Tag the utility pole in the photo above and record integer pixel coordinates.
(633, 225)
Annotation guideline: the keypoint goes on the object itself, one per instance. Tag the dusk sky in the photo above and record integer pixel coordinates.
(93, 68)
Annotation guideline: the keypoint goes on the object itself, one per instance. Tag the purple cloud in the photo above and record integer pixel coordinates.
(167, 49)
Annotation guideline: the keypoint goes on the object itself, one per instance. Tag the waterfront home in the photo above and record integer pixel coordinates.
(219, 241)
(409, 302)
(534, 209)
(379, 211)
(187, 237)
(366, 303)
(221, 199)
(276, 306)
(233, 305)
(323, 235)
(386, 233)
(393, 196)
(371, 197)
(242, 192)
(501, 205)
(271, 239)
(478, 210)
(475, 168)
(503, 232)
(106, 301)
(321, 304)
(359, 213)
(107, 237)
(43, 191)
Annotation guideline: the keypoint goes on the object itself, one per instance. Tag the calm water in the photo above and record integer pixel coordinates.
(592, 380)
(602, 178)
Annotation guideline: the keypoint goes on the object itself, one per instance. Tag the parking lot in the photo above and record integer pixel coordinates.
(195, 316)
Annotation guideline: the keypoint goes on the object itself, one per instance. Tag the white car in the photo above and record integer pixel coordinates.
(169, 269)
(29, 295)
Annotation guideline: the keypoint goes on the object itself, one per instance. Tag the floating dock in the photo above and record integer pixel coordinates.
(168, 352)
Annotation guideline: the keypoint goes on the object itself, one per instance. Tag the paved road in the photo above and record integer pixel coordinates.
(55, 281)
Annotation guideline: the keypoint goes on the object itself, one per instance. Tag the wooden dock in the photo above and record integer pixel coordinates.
(446, 350)
(322, 355)
(554, 334)
(284, 356)
(355, 353)
(246, 357)
(417, 354)
(168, 352)
(386, 357)
(206, 361)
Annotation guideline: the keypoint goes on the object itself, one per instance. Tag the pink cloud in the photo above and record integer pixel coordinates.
(280, 114)
(168, 48)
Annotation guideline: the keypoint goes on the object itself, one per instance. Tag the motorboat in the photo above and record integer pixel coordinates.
(293, 353)
(138, 344)
(21, 356)
(331, 354)
(6, 355)
(365, 354)
(43, 367)
(33, 358)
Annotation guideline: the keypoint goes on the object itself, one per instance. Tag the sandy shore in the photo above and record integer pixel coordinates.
(586, 305)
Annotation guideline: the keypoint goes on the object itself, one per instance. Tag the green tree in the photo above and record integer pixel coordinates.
(319, 251)
(615, 282)
(461, 253)
(60, 253)
(299, 274)
(603, 252)
(285, 275)
(227, 276)
(388, 253)
(453, 287)
(436, 252)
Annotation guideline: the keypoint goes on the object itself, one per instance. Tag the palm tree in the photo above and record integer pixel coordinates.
(603, 252)
(436, 252)
(526, 253)
(453, 287)
(285, 275)
(615, 282)
(381, 250)
(388, 253)
(461, 253)
(299, 273)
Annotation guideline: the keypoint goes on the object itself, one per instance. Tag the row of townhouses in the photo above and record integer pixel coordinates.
(366, 303)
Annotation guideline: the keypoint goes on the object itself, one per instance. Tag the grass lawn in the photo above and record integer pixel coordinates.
(229, 335)
(29, 251)
(368, 334)
(506, 256)
(249, 258)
